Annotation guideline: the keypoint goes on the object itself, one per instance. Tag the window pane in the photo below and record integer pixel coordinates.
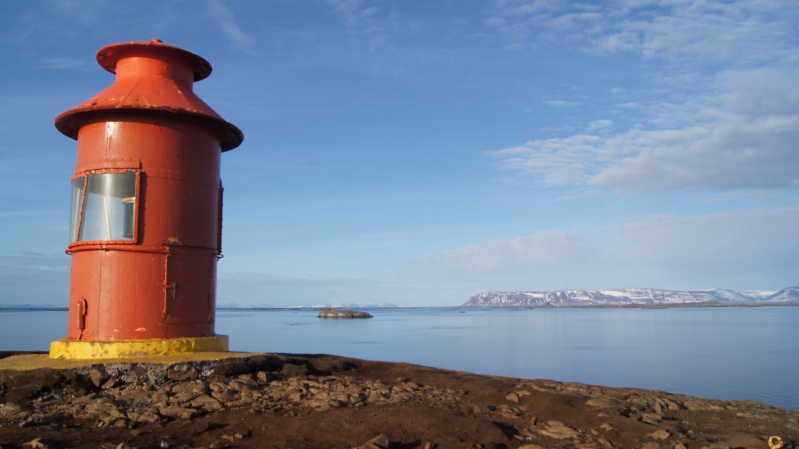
(77, 197)
(108, 209)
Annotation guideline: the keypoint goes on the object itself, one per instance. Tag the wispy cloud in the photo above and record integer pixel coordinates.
(84, 13)
(739, 249)
(722, 111)
(705, 31)
(227, 23)
(600, 124)
(561, 103)
(679, 29)
(352, 11)
(557, 161)
(384, 38)
(748, 142)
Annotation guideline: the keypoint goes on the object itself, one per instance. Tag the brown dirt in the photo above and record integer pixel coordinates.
(318, 401)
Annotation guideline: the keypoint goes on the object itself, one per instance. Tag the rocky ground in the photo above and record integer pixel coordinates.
(316, 401)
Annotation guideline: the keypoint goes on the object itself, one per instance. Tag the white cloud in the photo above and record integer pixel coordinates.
(226, 21)
(743, 137)
(536, 251)
(713, 30)
(494, 22)
(722, 107)
(561, 103)
(600, 124)
(349, 10)
(525, 7)
(740, 249)
(707, 31)
(558, 130)
(733, 154)
(558, 161)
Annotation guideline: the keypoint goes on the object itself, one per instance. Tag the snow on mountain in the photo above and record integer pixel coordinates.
(786, 295)
(631, 297)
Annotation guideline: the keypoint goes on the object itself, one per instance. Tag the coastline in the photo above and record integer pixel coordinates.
(305, 401)
(456, 307)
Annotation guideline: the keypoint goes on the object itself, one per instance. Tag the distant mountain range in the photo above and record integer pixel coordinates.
(634, 297)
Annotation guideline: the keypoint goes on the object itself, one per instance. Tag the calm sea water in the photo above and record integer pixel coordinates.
(726, 353)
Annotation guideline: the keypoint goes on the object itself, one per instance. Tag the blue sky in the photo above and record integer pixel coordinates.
(418, 152)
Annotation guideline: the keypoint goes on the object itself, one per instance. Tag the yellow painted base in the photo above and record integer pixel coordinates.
(82, 350)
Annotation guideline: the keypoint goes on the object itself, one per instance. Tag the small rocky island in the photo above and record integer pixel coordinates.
(343, 314)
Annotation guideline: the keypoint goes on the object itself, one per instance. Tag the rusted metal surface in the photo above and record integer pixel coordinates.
(144, 256)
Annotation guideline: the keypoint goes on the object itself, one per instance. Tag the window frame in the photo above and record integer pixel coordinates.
(77, 223)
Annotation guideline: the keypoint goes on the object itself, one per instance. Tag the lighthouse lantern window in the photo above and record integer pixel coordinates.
(103, 207)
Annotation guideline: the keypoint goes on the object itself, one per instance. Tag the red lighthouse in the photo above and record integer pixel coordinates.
(146, 220)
